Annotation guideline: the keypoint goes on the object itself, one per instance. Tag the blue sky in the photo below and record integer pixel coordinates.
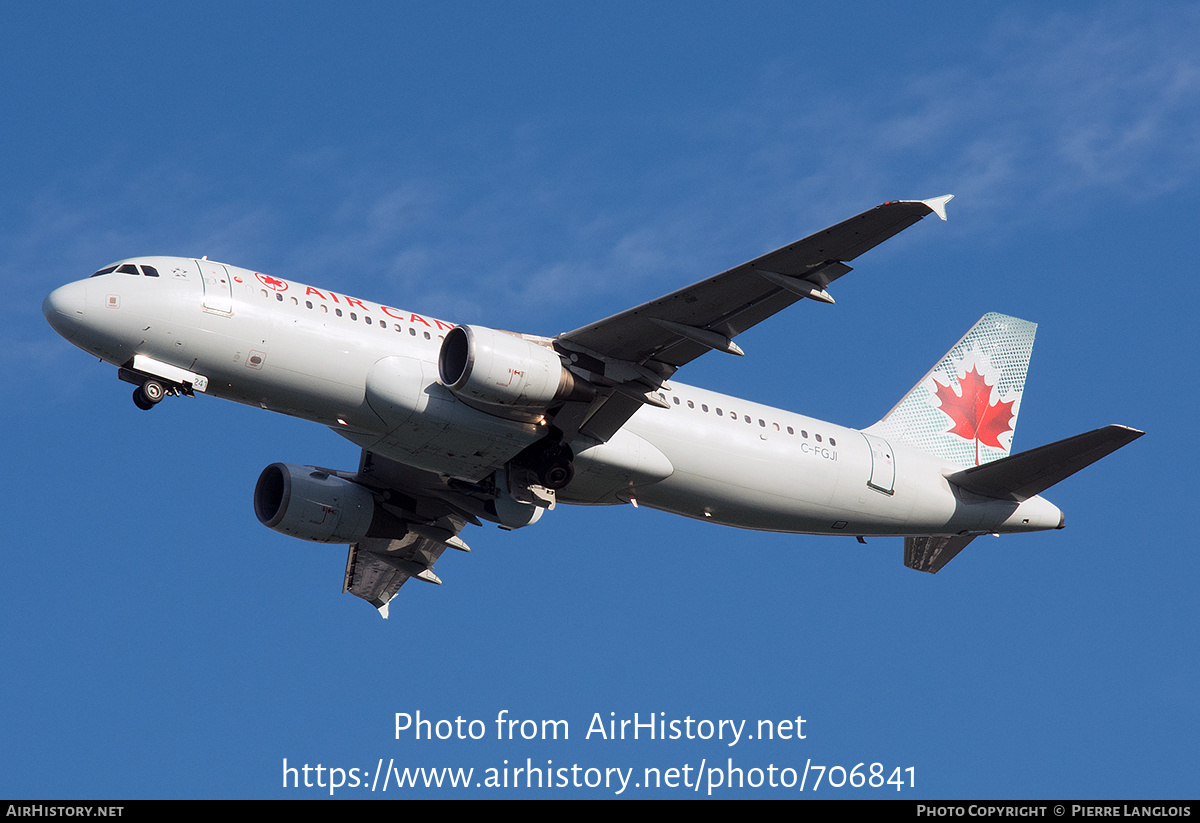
(535, 167)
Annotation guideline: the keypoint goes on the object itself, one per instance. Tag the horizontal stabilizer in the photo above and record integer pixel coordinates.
(930, 553)
(1029, 473)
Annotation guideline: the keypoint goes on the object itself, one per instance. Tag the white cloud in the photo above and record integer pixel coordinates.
(1101, 103)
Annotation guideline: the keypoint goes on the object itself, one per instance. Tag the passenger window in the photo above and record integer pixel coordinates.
(832, 442)
(691, 405)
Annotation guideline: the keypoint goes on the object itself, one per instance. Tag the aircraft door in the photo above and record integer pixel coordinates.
(218, 287)
(883, 465)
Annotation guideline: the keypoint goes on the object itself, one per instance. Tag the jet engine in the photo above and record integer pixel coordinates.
(312, 504)
(495, 368)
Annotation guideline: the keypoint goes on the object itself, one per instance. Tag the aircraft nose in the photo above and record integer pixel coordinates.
(64, 306)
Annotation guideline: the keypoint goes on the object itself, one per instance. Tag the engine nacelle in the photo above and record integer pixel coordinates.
(495, 368)
(312, 504)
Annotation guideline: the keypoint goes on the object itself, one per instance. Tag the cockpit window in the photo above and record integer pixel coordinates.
(129, 268)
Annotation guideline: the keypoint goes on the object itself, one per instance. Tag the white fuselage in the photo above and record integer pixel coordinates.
(369, 372)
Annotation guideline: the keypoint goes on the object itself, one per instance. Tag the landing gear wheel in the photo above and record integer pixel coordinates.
(556, 469)
(557, 475)
(148, 395)
(153, 391)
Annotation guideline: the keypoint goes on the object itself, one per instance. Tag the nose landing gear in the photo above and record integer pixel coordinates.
(155, 380)
(149, 394)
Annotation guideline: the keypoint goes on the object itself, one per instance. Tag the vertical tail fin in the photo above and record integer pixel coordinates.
(965, 409)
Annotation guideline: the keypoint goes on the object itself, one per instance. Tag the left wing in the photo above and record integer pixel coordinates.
(433, 513)
(630, 354)
(376, 568)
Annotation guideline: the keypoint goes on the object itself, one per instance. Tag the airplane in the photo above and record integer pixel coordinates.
(462, 424)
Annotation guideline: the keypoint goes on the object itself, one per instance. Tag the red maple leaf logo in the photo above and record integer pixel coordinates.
(975, 417)
(271, 282)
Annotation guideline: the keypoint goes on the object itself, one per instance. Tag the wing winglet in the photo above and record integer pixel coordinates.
(937, 205)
